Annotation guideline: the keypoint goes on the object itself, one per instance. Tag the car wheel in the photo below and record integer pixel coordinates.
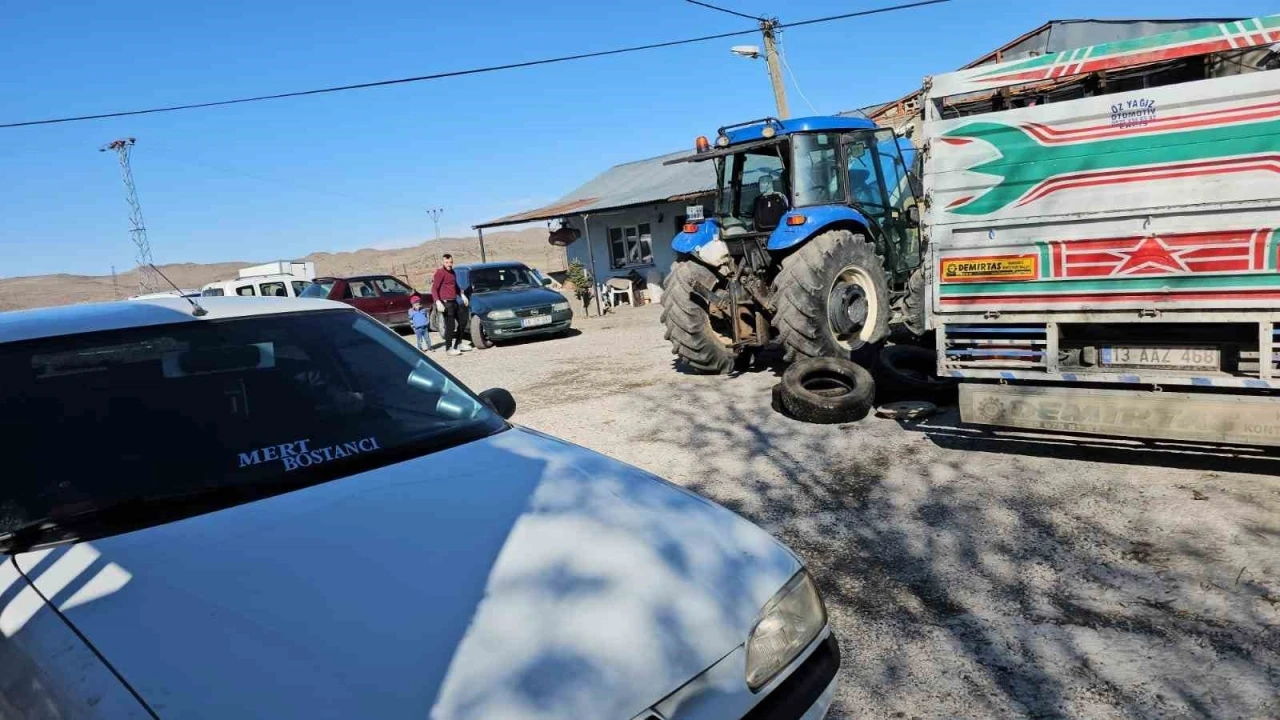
(827, 390)
(477, 334)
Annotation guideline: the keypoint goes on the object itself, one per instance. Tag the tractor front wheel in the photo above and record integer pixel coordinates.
(698, 336)
(831, 298)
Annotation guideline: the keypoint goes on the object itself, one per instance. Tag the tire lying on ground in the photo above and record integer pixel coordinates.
(827, 390)
(908, 372)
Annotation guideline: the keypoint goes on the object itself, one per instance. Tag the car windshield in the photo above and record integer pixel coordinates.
(501, 278)
(318, 289)
(172, 410)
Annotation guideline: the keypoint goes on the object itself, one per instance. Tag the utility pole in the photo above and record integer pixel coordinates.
(115, 283)
(768, 28)
(435, 214)
(147, 281)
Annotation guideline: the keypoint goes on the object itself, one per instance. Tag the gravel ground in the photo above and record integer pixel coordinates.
(966, 574)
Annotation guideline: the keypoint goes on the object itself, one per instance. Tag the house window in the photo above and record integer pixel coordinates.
(630, 246)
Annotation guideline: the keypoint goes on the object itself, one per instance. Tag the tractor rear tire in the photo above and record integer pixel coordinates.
(688, 321)
(831, 298)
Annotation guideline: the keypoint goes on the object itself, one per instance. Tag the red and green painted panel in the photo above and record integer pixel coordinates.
(1036, 160)
(1232, 265)
(1201, 40)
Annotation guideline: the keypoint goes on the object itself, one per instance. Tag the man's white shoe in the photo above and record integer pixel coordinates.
(453, 351)
(466, 348)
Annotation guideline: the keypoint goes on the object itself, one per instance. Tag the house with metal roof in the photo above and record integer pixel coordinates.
(626, 218)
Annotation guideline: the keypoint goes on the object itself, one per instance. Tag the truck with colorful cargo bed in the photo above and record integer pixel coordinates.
(1102, 229)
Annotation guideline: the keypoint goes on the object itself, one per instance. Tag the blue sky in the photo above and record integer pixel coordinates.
(359, 169)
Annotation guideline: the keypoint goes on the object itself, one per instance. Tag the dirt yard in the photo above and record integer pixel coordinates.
(966, 575)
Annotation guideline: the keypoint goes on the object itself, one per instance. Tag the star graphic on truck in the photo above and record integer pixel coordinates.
(1151, 255)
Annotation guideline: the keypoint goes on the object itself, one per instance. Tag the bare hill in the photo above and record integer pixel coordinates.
(415, 263)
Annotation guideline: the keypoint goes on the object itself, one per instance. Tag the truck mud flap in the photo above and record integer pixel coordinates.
(1193, 417)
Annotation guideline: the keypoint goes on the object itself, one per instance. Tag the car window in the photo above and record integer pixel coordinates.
(317, 290)
(501, 278)
(391, 286)
(360, 289)
(245, 290)
(273, 289)
(299, 287)
(173, 409)
(212, 292)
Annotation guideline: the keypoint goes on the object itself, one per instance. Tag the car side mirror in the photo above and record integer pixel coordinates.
(500, 401)
(913, 214)
(546, 282)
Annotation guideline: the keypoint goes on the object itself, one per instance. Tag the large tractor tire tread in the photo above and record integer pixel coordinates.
(913, 303)
(800, 295)
(687, 323)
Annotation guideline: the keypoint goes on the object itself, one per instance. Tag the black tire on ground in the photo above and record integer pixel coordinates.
(827, 390)
(775, 400)
(909, 372)
(833, 264)
(477, 334)
(688, 322)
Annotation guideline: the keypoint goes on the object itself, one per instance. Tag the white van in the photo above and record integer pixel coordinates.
(261, 286)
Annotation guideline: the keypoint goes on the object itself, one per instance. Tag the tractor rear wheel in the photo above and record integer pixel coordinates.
(831, 298)
(698, 336)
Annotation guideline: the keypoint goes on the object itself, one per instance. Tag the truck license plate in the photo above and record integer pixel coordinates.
(535, 321)
(1161, 358)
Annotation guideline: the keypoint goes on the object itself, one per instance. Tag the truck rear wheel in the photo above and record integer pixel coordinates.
(702, 341)
(831, 298)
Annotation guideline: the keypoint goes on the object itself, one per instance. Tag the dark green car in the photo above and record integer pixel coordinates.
(510, 301)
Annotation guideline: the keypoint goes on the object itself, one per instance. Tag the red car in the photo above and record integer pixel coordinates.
(383, 297)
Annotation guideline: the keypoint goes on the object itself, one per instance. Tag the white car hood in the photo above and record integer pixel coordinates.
(512, 577)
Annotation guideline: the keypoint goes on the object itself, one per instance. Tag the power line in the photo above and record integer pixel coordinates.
(725, 10)
(461, 73)
(783, 56)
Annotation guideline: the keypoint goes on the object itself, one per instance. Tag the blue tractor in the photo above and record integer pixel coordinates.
(814, 243)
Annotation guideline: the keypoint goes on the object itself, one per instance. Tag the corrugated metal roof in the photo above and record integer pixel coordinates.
(635, 183)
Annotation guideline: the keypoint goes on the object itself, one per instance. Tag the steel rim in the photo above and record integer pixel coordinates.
(852, 309)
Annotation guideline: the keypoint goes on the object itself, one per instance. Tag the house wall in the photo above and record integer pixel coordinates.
(662, 222)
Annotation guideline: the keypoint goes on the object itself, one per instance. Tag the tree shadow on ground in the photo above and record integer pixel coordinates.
(972, 584)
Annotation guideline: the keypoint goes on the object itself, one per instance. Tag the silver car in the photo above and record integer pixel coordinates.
(278, 508)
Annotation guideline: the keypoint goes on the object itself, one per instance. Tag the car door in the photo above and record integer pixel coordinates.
(362, 295)
(395, 295)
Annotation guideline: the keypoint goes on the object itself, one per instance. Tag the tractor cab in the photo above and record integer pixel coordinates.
(780, 180)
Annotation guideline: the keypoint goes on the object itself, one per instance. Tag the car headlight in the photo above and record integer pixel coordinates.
(501, 314)
(559, 307)
(787, 624)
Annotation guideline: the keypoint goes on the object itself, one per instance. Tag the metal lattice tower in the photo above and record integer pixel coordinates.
(435, 214)
(147, 280)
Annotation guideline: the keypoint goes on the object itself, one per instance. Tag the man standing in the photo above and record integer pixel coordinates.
(449, 302)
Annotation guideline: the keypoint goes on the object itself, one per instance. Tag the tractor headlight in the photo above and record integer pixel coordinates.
(559, 307)
(787, 624)
(501, 314)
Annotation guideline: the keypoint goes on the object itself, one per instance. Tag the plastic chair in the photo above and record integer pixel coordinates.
(615, 287)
